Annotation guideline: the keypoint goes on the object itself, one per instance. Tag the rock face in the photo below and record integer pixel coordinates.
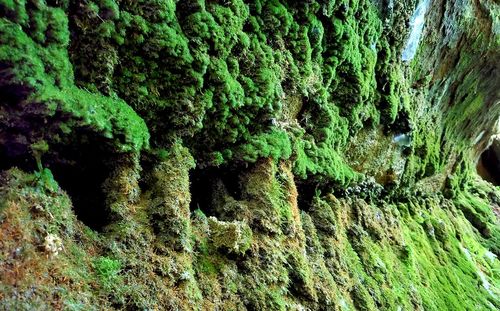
(249, 155)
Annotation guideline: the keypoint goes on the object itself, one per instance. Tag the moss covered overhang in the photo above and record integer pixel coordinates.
(40, 102)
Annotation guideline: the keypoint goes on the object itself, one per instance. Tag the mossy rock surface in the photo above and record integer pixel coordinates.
(247, 155)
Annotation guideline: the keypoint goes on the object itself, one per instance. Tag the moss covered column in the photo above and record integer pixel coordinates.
(170, 197)
(122, 187)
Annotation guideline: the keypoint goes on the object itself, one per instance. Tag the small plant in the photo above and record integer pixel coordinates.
(107, 270)
(38, 149)
(45, 180)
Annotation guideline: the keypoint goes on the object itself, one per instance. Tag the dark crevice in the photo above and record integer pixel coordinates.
(12, 156)
(81, 173)
(80, 169)
(306, 192)
(488, 166)
(209, 184)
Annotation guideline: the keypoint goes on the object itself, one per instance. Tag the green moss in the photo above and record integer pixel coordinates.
(110, 118)
(275, 144)
(39, 65)
(107, 270)
(235, 236)
(235, 75)
(255, 88)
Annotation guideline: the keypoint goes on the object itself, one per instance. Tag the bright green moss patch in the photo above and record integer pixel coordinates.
(107, 270)
(433, 263)
(41, 78)
(111, 118)
(217, 75)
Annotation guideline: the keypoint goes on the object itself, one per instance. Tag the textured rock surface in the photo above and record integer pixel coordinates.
(248, 155)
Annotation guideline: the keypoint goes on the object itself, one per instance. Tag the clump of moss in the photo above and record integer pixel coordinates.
(107, 271)
(233, 236)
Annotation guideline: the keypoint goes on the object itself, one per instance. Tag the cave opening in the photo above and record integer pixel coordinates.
(81, 172)
(10, 157)
(209, 184)
(79, 168)
(488, 165)
(306, 192)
